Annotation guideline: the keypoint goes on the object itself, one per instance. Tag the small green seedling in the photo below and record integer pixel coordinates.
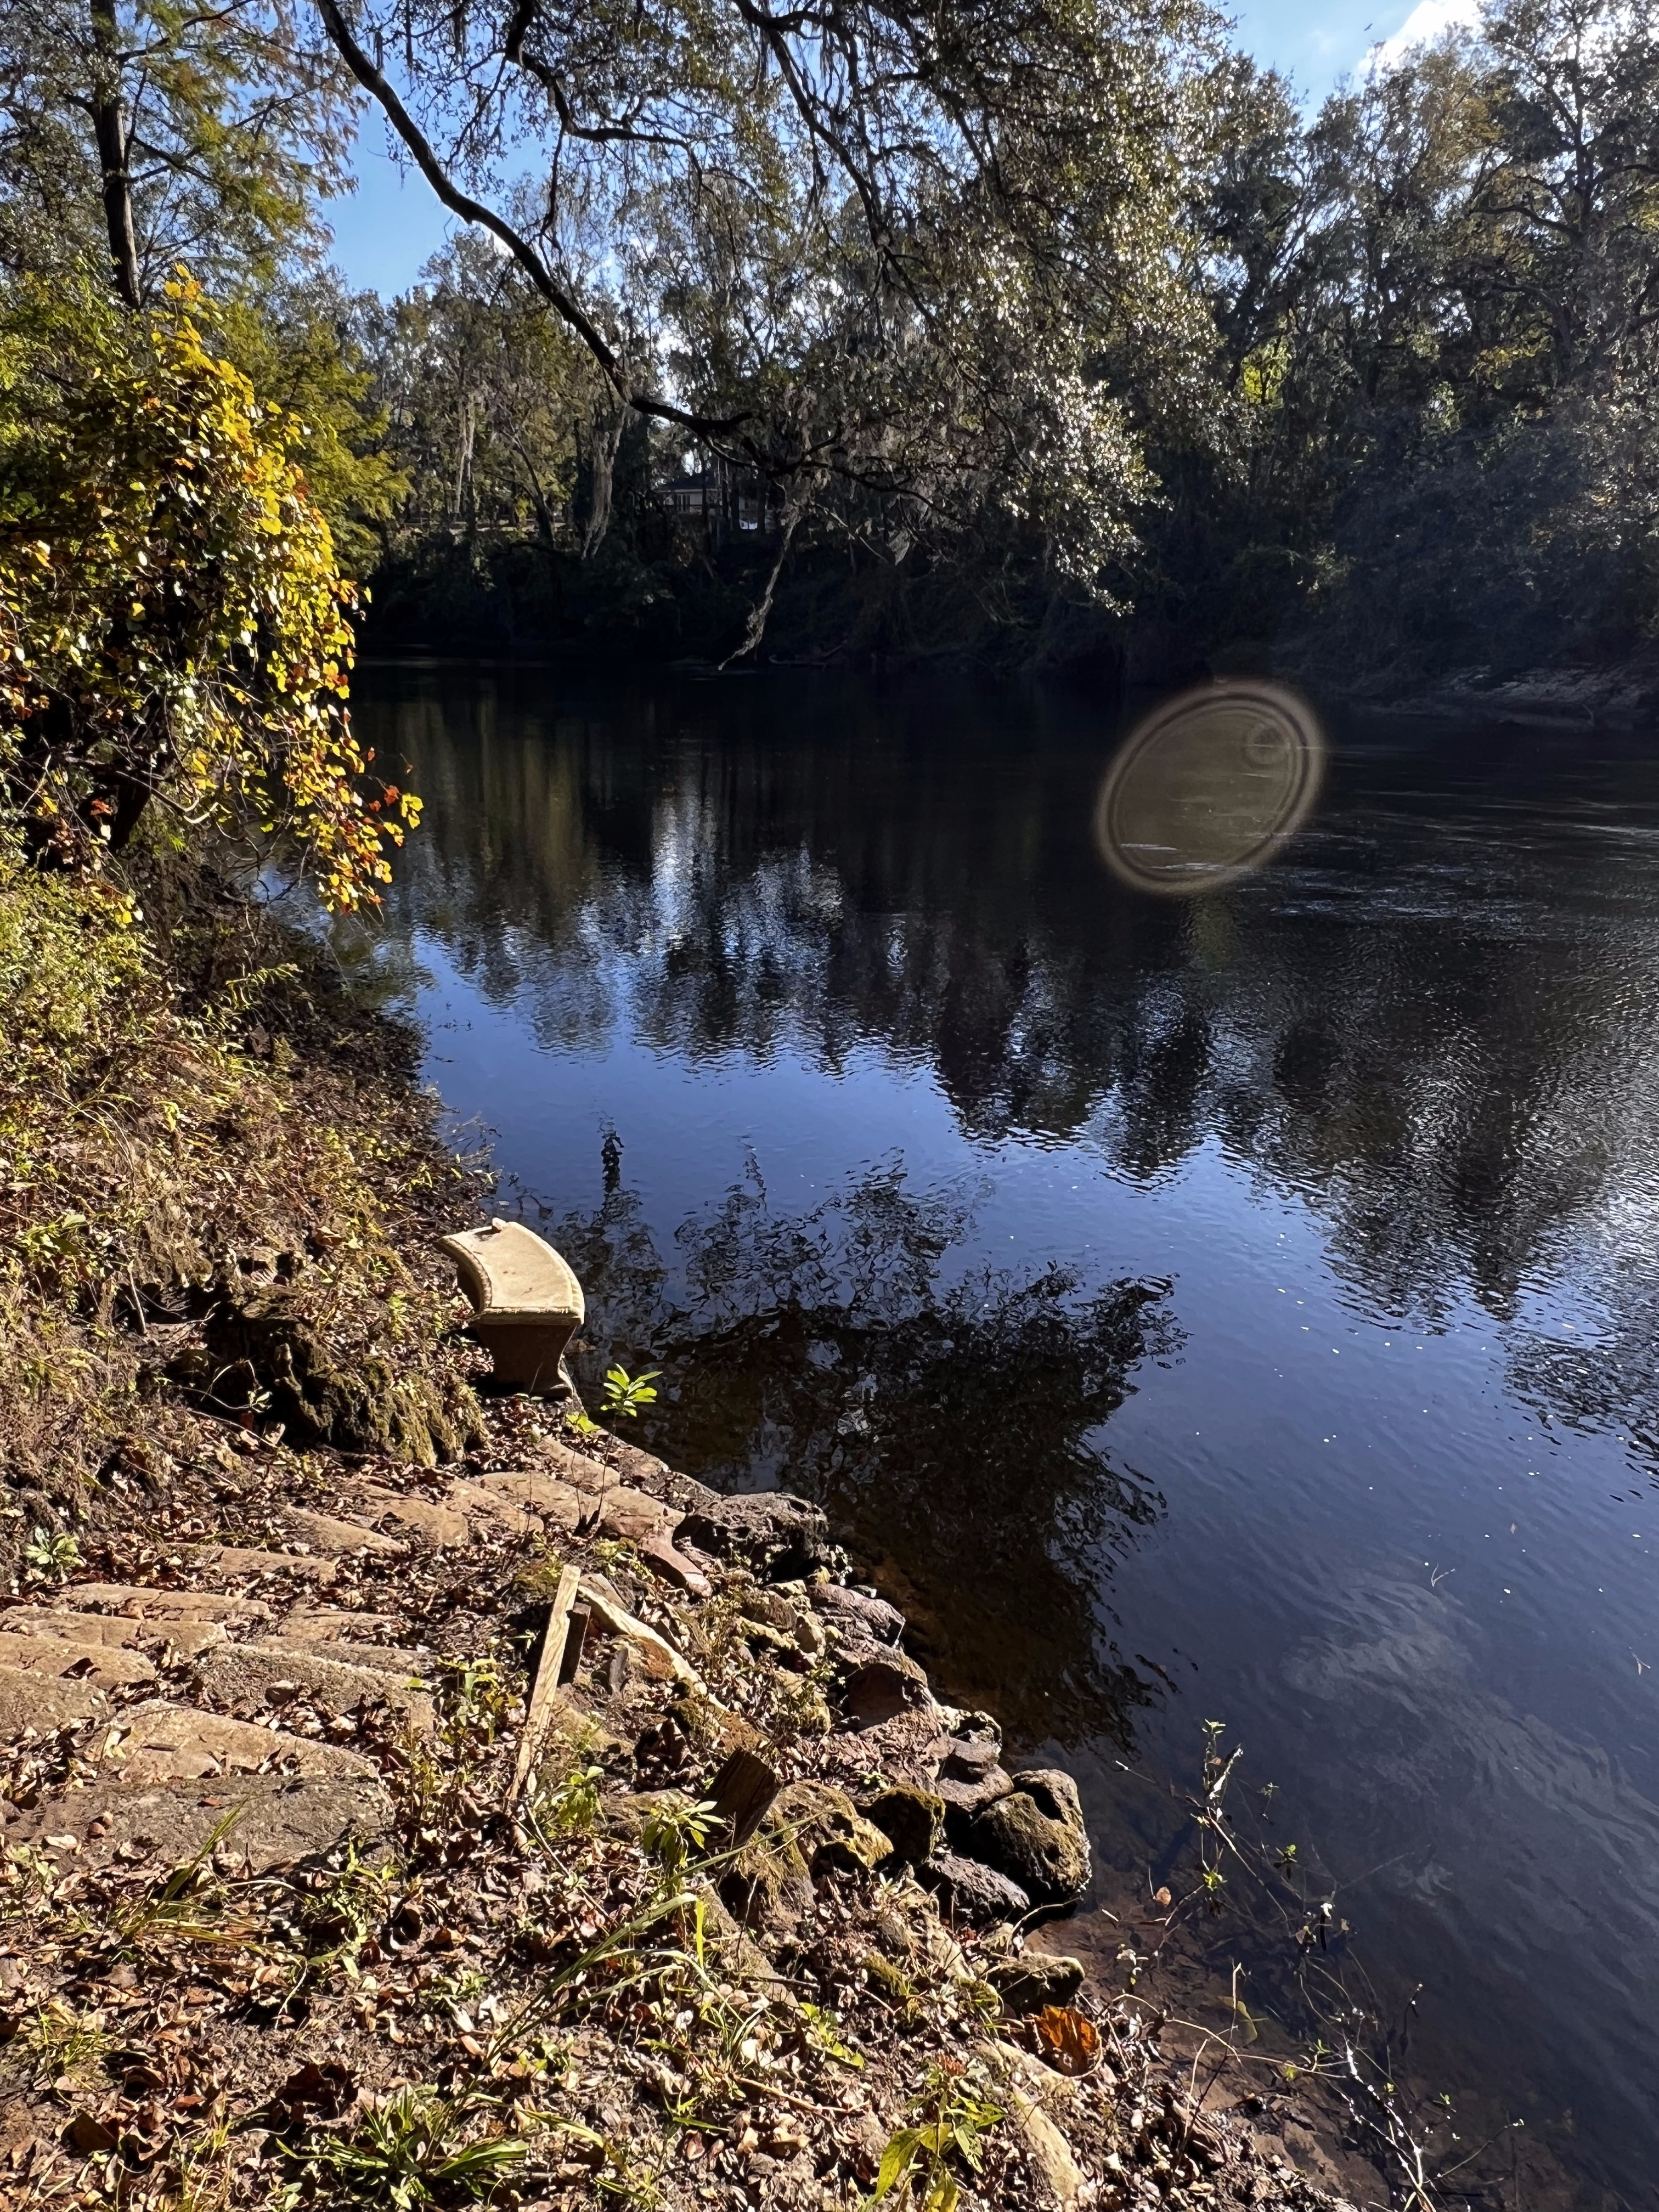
(626, 1394)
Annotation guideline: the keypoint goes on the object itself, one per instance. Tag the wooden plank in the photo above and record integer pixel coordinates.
(742, 1792)
(545, 1686)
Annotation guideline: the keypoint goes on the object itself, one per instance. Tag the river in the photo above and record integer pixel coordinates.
(1238, 1307)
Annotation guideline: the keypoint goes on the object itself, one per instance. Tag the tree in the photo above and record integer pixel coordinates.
(173, 626)
(904, 265)
(140, 133)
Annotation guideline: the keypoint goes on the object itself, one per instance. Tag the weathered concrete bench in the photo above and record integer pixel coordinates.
(527, 1304)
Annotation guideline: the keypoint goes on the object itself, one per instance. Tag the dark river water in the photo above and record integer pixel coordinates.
(1239, 1308)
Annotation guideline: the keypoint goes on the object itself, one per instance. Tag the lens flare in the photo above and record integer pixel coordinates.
(1208, 786)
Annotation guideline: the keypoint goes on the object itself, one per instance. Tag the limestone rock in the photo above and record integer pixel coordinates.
(406, 1669)
(107, 1632)
(443, 1526)
(671, 1565)
(1035, 1835)
(106, 1667)
(969, 1890)
(871, 1618)
(335, 1538)
(829, 1828)
(43, 1702)
(278, 1818)
(478, 1502)
(912, 1820)
(631, 1516)
(969, 1780)
(779, 1535)
(242, 1559)
(148, 1603)
(1032, 1980)
(251, 1673)
(882, 1688)
(326, 1624)
(158, 1742)
(555, 1503)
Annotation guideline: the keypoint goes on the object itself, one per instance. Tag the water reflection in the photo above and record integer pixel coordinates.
(1249, 1291)
(1208, 786)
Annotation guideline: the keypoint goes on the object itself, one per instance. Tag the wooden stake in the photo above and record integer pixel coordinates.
(546, 1680)
(742, 1792)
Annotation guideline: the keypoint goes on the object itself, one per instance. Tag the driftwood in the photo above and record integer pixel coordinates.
(548, 1677)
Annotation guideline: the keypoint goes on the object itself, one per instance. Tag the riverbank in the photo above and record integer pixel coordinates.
(277, 1918)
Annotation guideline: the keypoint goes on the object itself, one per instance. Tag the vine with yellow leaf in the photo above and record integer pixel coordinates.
(174, 630)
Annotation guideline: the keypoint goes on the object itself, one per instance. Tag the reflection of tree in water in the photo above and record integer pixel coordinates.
(1443, 1037)
(950, 1426)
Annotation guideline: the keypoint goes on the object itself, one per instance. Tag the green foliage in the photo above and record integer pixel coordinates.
(626, 1394)
(173, 624)
(674, 1832)
(949, 2121)
(570, 1805)
(410, 2150)
(51, 1554)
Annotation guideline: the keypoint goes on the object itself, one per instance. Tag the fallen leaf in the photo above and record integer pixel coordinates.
(1067, 2039)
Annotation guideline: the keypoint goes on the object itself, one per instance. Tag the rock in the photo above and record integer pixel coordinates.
(969, 1890)
(144, 1602)
(672, 1567)
(912, 1820)
(241, 1559)
(261, 1343)
(334, 1624)
(631, 1517)
(829, 1828)
(882, 1688)
(279, 1818)
(44, 1702)
(658, 1656)
(442, 1526)
(1036, 1836)
(555, 1503)
(158, 1741)
(106, 1666)
(1035, 2095)
(872, 1617)
(337, 1538)
(968, 1786)
(112, 1632)
(493, 1507)
(780, 1536)
(409, 1669)
(252, 1673)
(1032, 1980)
(743, 1960)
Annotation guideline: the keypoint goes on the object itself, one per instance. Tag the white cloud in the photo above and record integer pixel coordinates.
(1426, 20)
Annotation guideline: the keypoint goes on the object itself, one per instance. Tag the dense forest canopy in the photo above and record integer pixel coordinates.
(1035, 327)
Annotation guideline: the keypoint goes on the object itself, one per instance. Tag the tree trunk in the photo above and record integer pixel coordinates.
(110, 125)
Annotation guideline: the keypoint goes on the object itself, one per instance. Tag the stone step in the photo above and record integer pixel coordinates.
(335, 1538)
(142, 1601)
(380, 1658)
(247, 1559)
(112, 1632)
(442, 1526)
(492, 1506)
(324, 1624)
(554, 1503)
(43, 1702)
(159, 1741)
(275, 1818)
(106, 1666)
(252, 1673)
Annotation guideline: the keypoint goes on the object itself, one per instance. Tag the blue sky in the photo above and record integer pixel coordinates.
(390, 225)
